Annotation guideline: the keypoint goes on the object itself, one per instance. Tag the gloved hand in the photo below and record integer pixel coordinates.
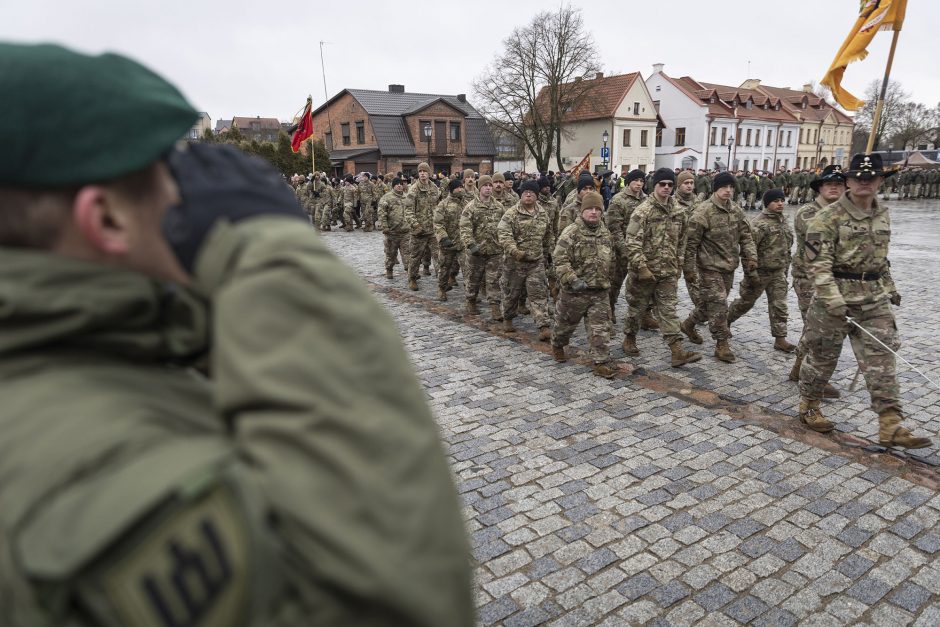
(220, 182)
(518, 255)
(751, 266)
(644, 274)
(578, 285)
(896, 299)
(447, 243)
(473, 249)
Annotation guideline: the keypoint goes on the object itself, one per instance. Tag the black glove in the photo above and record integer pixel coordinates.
(219, 182)
(578, 285)
(896, 299)
(447, 243)
(474, 249)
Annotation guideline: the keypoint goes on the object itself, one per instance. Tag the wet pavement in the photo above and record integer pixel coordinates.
(683, 496)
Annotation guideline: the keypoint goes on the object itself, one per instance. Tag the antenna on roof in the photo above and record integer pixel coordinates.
(326, 97)
(749, 68)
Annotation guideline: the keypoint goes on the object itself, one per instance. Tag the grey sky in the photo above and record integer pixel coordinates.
(262, 58)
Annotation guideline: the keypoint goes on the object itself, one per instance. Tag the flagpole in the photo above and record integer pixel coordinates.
(876, 119)
(313, 154)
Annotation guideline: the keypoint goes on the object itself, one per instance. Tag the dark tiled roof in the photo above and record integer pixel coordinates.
(377, 102)
(264, 123)
(479, 138)
(339, 155)
(392, 135)
(222, 124)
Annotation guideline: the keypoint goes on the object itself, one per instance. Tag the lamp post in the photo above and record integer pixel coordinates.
(605, 137)
(819, 147)
(427, 138)
(730, 144)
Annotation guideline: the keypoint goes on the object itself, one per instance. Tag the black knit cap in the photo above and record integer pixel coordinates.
(544, 182)
(723, 180)
(634, 175)
(585, 182)
(773, 194)
(530, 186)
(454, 185)
(396, 181)
(664, 174)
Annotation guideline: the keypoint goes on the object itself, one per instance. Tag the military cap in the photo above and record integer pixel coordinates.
(484, 180)
(454, 185)
(71, 118)
(529, 186)
(468, 173)
(664, 174)
(831, 174)
(544, 182)
(773, 194)
(592, 199)
(423, 167)
(723, 180)
(585, 182)
(685, 175)
(634, 175)
(499, 177)
(867, 167)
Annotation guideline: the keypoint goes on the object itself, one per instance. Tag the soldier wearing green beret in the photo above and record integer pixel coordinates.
(301, 482)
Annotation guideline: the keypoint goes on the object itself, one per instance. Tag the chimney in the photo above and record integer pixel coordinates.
(462, 97)
(598, 75)
(658, 68)
(808, 88)
(396, 89)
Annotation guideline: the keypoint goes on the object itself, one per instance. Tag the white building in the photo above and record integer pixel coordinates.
(621, 106)
(716, 126)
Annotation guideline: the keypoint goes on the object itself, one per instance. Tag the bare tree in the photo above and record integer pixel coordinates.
(530, 85)
(895, 100)
(913, 125)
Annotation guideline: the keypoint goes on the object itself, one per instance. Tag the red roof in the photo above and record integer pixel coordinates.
(726, 101)
(604, 97)
(817, 109)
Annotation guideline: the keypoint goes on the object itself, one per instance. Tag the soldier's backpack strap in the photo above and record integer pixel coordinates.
(196, 555)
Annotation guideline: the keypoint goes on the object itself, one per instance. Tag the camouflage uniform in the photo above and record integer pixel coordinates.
(395, 226)
(619, 211)
(318, 192)
(569, 213)
(447, 226)
(529, 235)
(851, 268)
(703, 187)
(802, 280)
(506, 198)
(478, 223)
(366, 191)
(773, 240)
(688, 205)
(655, 239)
(350, 196)
(717, 236)
(587, 253)
(419, 213)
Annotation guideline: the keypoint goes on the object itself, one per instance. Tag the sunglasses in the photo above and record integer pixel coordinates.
(665, 183)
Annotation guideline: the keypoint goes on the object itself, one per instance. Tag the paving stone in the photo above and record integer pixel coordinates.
(868, 590)
(854, 566)
(597, 560)
(789, 550)
(497, 610)
(637, 586)
(929, 543)
(671, 593)
(854, 537)
(745, 528)
(746, 609)
(775, 617)
(529, 617)
(910, 597)
(714, 597)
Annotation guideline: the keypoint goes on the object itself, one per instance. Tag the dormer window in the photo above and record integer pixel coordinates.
(711, 100)
(750, 105)
(803, 105)
(765, 106)
(777, 107)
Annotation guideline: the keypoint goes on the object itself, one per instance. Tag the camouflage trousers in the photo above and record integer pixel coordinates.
(521, 280)
(448, 263)
(327, 216)
(618, 273)
(824, 335)
(432, 254)
(804, 288)
(420, 248)
(368, 213)
(350, 215)
(712, 307)
(770, 282)
(594, 307)
(795, 194)
(482, 268)
(396, 244)
(643, 295)
(692, 289)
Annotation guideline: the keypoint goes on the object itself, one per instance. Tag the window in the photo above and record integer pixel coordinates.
(644, 138)
(801, 136)
(789, 138)
(766, 163)
(724, 135)
(747, 162)
(749, 105)
(714, 135)
(193, 133)
(626, 137)
(780, 139)
(747, 141)
(328, 140)
(641, 168)
(737, 140)
(636, 108)
(659, 137)
(680, 137)
(625, 169)
(812, 162)
(757, 137)
(786, 164)
(455, 131)
(344, 129)
(360, 132)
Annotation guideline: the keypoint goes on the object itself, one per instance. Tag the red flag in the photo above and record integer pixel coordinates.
(584, 163)
(303, 128)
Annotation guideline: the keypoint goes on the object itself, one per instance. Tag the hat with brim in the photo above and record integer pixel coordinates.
(831, 174)
(867, 167)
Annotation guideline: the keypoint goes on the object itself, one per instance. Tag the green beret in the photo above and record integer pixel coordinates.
(70, 118)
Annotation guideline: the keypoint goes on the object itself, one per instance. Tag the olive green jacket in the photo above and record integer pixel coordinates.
(312, 410)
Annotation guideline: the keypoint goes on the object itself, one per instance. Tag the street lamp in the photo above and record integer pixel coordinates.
(605, 137)
(730, 144)
(819, 147)
(427, 138)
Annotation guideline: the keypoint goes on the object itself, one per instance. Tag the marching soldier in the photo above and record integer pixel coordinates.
(419, 212)
(350, 196)
(395, 227)
(478, 232)
(619, 211)
(447, 232)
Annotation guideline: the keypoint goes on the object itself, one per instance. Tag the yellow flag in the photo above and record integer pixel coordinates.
(874, 15)
(584, 163)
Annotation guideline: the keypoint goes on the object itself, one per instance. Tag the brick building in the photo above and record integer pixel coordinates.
(257, 128)
(368, 130)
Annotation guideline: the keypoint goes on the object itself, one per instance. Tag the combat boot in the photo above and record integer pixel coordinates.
(795, 370)
(604, 370)
(629, 345)
(649, 323)
(545, 334)
(781, 344)
(891, 433)
(326, 227)
(451, 283)
(348, 229)
(441, 295)
(508, 327)
(413, 285)
(471, 308)
(389, 274)
(496, 313)
(723, 352)
(688, 327)
(558, 352)
(680, 357)
(830, 392)
(367, 229)
(426, 271)
(811, 416)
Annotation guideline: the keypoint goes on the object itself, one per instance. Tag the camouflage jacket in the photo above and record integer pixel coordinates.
(773, 240)
(844, 238)
(478, 223)
(803, 216)
(530, 233)
(550, 205)
(717, 236)
(447, 219)
(687, 204)
(392, 213)
(620, 209)
(350, 194)
(366, 191)
(506, 198)
(419, 207)
(781, 180)
(703, 184)
(587, 253)
(656, 237)
(569, 214)
(765, 184)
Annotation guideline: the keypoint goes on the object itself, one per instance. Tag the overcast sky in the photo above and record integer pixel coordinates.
(235, 57)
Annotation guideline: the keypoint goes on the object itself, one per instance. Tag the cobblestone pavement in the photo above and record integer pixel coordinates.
(681, 496)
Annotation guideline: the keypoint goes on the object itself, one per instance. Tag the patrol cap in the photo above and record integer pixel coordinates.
(71, 118)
